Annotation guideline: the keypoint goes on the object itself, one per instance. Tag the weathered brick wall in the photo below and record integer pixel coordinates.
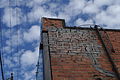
(78, 54)
(74, 53)
(48, 22)
(115, 40)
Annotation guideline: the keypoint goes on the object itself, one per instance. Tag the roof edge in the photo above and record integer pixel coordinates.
(77, 27)
(89, 28)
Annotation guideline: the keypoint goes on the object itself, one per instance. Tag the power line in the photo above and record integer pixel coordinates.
(17, 73)
(10, 37)
(1, 61)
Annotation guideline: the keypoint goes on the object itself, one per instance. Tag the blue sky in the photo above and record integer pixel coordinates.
(21, 26)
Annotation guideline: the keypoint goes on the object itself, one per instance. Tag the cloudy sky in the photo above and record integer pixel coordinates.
(20, 21)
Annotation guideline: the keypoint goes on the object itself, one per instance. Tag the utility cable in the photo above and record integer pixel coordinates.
(1, 58)
(10, 37)
(17, 72)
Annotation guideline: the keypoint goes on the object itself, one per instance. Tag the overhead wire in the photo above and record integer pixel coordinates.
(18, 35)
(1, 52)
(18, 49)
(3, 49)
(17, 72)
(10, 36)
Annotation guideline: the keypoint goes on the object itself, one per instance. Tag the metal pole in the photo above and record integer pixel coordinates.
(2, 72)
(11, 76)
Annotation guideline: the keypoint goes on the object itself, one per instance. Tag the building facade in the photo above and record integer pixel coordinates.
(76, 53)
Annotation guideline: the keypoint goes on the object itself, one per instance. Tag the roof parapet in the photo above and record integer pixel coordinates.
(50, 22)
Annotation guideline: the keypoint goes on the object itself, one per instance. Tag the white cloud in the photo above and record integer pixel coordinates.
(113, 10)
(91, 8)
(75, 7)
(7, 48)
(30, 58)
(64, 16)
(116, 2)
(66, 11)
(33, 3)
(72, 9)
(101, 3)
(32, 34)
(15, 39)
(37, 12)
(13, 3)
(110, 17)
(82, 22)
(12, 16)
(8, 62)
(3, 3)
(18, 38)
(28, 75)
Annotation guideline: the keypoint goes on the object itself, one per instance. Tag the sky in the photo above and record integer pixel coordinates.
(20, 21)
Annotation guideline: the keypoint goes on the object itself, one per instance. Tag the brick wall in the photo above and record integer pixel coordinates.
(115, 39)
(77, 53)
(49, 22)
